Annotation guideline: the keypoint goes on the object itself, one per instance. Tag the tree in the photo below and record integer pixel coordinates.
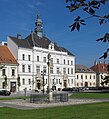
(90, 7)
(105, 80)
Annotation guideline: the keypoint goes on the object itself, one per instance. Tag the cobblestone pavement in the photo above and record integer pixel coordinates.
(25, 104)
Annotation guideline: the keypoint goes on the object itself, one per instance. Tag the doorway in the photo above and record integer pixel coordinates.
(86, 84)
(12, 86)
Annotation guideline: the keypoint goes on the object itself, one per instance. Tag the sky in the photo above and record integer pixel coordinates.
(18, 16)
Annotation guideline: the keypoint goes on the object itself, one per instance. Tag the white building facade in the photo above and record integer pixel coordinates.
(32, 55)
(8, 70)
(85, 77)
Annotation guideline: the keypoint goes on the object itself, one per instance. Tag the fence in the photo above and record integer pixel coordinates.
(61, 97)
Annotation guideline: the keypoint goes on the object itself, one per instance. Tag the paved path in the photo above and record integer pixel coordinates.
(24, 104)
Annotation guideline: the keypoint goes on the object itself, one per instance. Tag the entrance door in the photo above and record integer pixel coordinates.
(86, 84)
(12, 86)
(38, 86)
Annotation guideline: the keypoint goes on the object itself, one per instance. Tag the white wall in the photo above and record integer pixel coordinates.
(91, 81)
(13, 48)
(43, 53)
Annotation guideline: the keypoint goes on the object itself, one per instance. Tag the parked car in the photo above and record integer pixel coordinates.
(5, 92)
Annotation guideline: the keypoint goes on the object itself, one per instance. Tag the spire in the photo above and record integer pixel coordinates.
(38, 15)
(38, 23)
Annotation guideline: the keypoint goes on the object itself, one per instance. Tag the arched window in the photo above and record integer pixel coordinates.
(23, 81)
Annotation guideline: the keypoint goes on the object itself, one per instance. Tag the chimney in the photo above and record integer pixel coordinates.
(19, 36)
(95, 63)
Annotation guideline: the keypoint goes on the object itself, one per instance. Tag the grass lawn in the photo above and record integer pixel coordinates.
(90, 95)
(14, 98)
(86, 111)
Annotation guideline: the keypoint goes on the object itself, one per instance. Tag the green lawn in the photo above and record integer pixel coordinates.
(14, 98)
(86, 111)
(90, 95)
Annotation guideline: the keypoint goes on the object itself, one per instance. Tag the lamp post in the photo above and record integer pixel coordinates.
(43, 73)
(18, 82)
(5, 78)
(50, 94)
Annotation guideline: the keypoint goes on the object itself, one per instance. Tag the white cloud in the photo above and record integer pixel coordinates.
(31, 6)
(35, 4)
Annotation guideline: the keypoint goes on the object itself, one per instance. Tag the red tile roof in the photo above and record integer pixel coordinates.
(100, 68)
(6, 56)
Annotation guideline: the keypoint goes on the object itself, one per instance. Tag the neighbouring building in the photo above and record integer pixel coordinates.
(85, 77)
(101, 72)
(8, 69)
(31, 53)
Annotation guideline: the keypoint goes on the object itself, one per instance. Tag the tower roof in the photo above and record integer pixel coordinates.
(38, 23)
(38, 15)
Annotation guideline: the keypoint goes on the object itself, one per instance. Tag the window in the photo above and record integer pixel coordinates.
(29, 68)
(68, 62)
(13, 72)
(46, 81)
(3, 72)
(44, 59)
(86, 76)
(72, 81)
(77, 77)
(81, 84)
(38, 69)
(58, 70)
(81, 76)
(77, 84)
(64, 61)
(56, 81)
(29, 57)
(23, 68)
(37, 58)
(23, 57)
(68, 71)
(57, 61)
(29, 81)
(64, 70)
(71, 62)
(59, 81)
(94, 83)
(23, 81)
(51, 70)
(90, 77)
(71, 70)
(93, 77)
(44, 69)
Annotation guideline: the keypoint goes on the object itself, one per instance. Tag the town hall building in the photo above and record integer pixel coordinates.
(32, 53)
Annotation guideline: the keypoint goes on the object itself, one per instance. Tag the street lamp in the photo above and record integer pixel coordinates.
(5, 78)
(18, 82)
(43, 73)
